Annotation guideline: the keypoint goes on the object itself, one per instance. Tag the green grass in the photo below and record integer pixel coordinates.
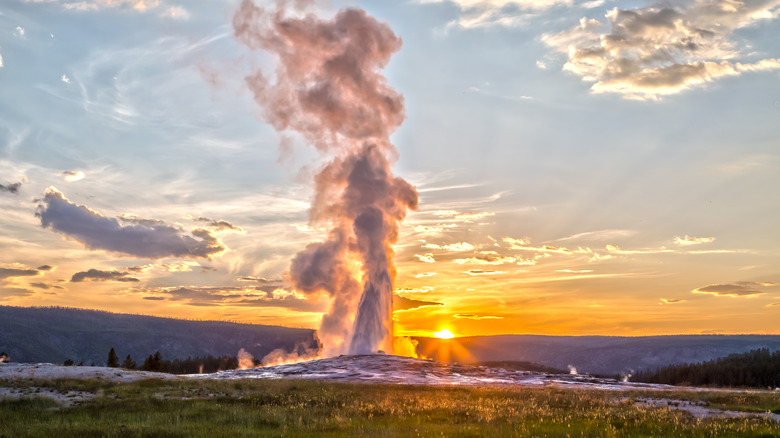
(183, 408)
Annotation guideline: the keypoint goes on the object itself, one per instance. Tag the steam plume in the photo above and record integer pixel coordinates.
(328, 87)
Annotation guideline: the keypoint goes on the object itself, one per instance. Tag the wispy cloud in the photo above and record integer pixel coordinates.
(655, 51)
(253, 296)
(146, 238)
(159, 6)
(72, 175)
(487, 13)
(403, 303)
(671, 301)
(688, 240)
(454, 247)
(740, 289)
(475, 316)
(482, 272)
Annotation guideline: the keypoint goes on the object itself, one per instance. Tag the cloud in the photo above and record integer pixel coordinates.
(45, 268)
(482, 272)
(146, 238)
(100, 275)
(740, 289)
(65, 79)
(427, 258)
(425, 274)
(671, 301)
(218, 225)
(253, 296)
(655, 51)
(688, 240)
(8, 292)
(1, 60)
(403, 303)
(19, 32)
(454, 247)
(457, 215)
(598, 235)
(475, 316)
(487, 13)
(45, 286)
(176, 12)
(487, 259)
(72, 175)
(774, 304)
(11, 188)
(17, 271)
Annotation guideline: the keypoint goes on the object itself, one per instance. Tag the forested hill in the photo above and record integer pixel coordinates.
(55, 334)
(758, 368)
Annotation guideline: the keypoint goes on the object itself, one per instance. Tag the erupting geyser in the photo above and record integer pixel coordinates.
(328, 87)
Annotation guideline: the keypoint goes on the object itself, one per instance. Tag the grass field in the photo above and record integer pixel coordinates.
(157, 408)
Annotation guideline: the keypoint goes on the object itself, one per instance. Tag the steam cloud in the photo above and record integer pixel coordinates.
(328, 88)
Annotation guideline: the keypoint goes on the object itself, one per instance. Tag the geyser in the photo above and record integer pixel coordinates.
(327, 87)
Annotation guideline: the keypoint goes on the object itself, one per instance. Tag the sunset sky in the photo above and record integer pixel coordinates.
(584, 167)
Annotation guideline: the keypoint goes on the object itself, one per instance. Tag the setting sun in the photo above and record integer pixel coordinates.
(444, 334)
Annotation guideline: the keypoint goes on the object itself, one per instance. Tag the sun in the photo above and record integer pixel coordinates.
(444, 334)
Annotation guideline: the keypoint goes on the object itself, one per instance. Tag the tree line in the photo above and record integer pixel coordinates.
(156, 363)
(756, 368)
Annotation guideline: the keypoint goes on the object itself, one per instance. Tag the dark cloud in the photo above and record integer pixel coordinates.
(740, 289)
(774, 305)
(45, 286)
(146, 238)
(99, 275)
(403, 303)
(45, 268)
(10, 188)
(17, 272)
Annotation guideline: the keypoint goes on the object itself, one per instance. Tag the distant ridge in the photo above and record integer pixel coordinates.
(604, 355)
(55, 334)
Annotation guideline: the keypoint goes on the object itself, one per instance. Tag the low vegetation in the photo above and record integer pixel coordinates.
(258, 407)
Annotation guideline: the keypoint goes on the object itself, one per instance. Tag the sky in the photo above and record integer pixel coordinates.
(583, 167)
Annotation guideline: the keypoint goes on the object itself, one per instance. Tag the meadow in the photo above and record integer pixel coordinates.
(298, 408)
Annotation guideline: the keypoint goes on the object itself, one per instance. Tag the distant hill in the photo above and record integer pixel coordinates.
(55, 334)
(604, 355)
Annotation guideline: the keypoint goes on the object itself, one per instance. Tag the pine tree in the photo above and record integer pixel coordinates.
(129, 363)
(113, 359)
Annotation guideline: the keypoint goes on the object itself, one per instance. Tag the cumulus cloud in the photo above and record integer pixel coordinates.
(739, 289)
(487, 13)
(403, 303)
(10, 188)
(101, 275)
(475, 316)
(688, 240)
(146, 238)
(647, 53)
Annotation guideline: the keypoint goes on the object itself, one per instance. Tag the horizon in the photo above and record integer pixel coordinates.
(559, 194)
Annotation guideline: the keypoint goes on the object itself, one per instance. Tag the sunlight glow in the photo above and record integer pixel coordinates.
(444, 334)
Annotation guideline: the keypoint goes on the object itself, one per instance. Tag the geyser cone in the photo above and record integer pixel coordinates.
(328, 88)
